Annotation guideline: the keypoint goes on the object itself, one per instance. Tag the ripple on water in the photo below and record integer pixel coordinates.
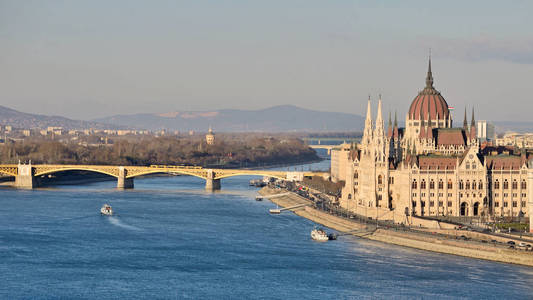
(169, 243)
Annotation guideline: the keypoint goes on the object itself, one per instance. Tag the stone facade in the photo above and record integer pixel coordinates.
(210, 137)
(430, 168)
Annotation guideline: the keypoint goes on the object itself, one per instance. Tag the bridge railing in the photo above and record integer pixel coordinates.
(175, 167)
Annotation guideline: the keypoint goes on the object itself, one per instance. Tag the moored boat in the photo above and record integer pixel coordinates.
(319, 235)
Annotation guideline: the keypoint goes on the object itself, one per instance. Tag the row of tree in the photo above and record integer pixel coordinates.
(235, 151)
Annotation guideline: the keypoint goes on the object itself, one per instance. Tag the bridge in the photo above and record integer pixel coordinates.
(27, 175)
(326, 147)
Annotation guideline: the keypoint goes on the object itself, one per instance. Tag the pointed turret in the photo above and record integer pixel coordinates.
(369, 113)
(473, 126)
(368, 132)
(379, 119)
(395, 132)
(465, 122)
(429, 76)
(389, 129)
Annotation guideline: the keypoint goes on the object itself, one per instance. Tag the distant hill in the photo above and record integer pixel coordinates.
(273, 119)
(19, 119)
(504, 126)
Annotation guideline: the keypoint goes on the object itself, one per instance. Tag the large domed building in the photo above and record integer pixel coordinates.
(428, 108)
(429, 105)
(430, 168)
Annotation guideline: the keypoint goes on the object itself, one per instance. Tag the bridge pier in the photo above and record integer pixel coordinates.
(25, 178)
(123, 182)
(211, 184)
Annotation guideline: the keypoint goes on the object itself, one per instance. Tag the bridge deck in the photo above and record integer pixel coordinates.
(134, 171)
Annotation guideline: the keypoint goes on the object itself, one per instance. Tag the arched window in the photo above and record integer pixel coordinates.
(467, 165)
(380, 179)
(355, 175)
(450, 184)
(423, 184)
(505, 184)
(461, 185)
(523, 185)
(473, 166)
(441, 184)
(431, 185)
(480, 185)
(349, 196)
(474, 184)
(496, 184)
(414, 185)
(515, 184)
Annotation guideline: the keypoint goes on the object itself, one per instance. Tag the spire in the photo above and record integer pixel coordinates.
(368, 132)
(368, 112)
(473, 123)
(379, 115)
(473, 126)
(465, 122)
(395, 131)
(429, 77)
(389, 129)
(380, 126)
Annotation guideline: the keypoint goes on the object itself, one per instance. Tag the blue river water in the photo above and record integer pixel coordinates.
(171, 239)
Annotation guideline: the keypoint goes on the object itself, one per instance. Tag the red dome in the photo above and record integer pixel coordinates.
(432, 104)
(429, 102)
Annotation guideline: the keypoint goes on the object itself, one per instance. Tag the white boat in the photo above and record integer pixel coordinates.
(319, 235)
(106, 210)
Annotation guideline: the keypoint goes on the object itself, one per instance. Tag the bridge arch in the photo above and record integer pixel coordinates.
(156, 171)
(57, 170)
(278, 176)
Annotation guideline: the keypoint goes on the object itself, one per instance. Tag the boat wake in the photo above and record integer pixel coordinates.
(115, 221)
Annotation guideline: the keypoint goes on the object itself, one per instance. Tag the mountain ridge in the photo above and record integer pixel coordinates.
(18, 119)
(274, 119)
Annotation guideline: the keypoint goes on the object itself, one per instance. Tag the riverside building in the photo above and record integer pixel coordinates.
(430, 167)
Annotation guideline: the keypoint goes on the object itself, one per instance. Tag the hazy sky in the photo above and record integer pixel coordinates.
(88, 59)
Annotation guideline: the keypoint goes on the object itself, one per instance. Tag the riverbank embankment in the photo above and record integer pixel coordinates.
(429, 241)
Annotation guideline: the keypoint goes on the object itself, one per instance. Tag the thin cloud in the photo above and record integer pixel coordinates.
(483, 48)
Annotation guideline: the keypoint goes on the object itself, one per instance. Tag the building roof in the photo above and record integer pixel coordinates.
(504, 162)
(429, 103)
(437, 162)
(450, 137)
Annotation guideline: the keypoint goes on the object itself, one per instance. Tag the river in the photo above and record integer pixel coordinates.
(171, 239)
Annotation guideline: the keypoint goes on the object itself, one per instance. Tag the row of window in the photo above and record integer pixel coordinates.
(473, 166)
(414, 184)
(506, 204)
(467, 185)
(431, 194)
(514, 185)
(462, 185)
(432, 203)
(523, 195)
(461, 195)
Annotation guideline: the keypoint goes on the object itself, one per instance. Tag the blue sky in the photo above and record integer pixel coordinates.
(88, 59)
